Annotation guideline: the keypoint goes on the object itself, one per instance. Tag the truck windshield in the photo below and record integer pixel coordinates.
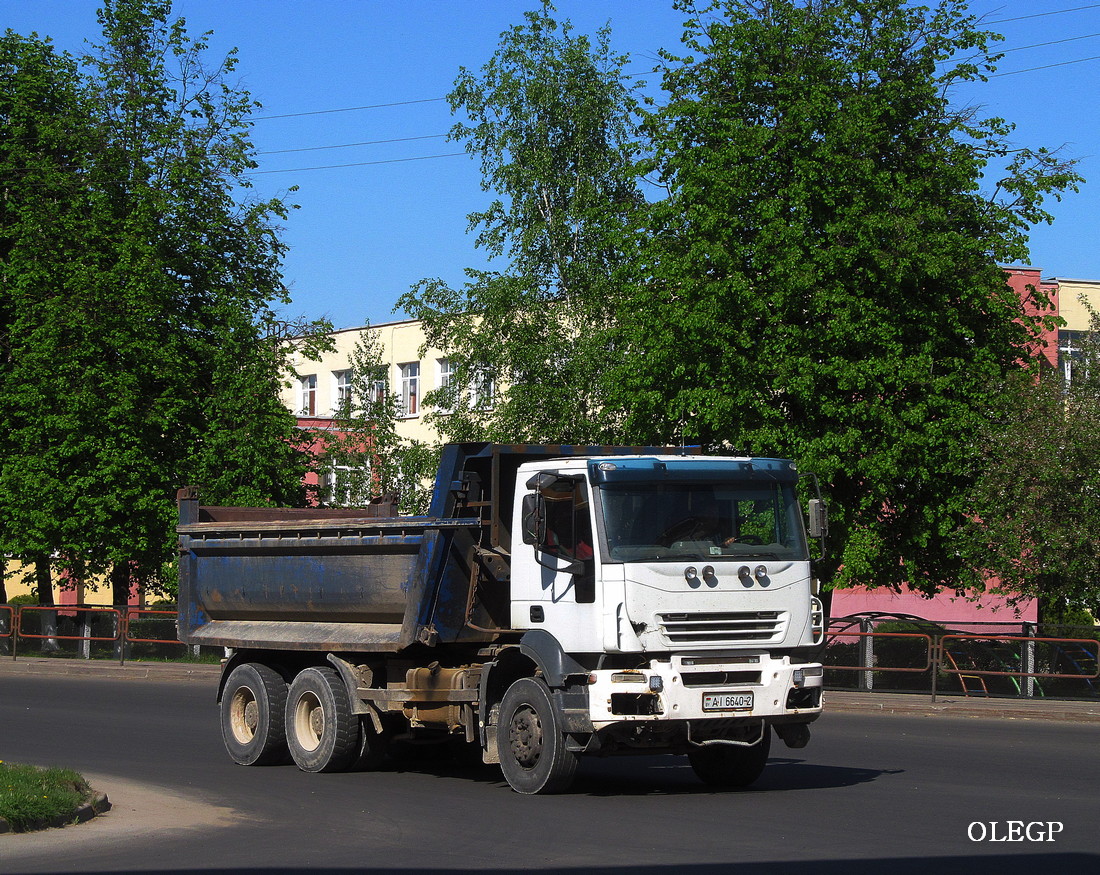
(653, 521)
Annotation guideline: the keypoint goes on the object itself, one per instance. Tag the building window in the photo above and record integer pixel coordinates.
(1071, 352)
(345, 486)
(309, 395)
(410, 388)
(482, 390)
(343, 390)
(446, 376)
(379, 390)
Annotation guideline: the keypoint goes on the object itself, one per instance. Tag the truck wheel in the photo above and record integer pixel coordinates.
(321, 731)
(252, 709)
(731, 765)
(532, 748)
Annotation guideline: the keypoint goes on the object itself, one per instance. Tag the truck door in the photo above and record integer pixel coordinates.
(561, 581)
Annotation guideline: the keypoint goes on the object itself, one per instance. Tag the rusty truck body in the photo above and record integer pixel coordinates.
(555, 602)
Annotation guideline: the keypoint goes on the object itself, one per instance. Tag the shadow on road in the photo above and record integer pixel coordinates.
(647, 776)
(993, 864)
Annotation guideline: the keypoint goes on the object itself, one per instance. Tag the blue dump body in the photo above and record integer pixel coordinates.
(346, 579)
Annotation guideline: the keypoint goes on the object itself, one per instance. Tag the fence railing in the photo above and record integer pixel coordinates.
(986, 660)
(49, 628)
(7, 622)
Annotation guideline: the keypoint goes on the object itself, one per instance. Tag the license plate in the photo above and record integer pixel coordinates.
(727, 701)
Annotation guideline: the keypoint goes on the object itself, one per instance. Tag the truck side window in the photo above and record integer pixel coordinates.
(569, 534)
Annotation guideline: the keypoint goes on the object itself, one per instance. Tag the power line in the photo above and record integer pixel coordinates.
(350, 145)
(1045, 67)
(1041, 14)
(1068, 39)
(357, 164)
(264, 118)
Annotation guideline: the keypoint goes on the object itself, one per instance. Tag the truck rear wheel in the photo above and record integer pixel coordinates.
(322, 733)
(731, 765)
(532, 749)
(252, 715)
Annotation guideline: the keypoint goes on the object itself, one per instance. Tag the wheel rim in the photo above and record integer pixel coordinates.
(244, 715)
(309, 721)
(525, 735)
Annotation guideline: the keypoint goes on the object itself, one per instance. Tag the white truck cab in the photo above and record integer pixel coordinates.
(685, 583)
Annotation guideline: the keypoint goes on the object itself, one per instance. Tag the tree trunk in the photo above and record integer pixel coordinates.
(121, 581)
(5, 629)
(43, 579)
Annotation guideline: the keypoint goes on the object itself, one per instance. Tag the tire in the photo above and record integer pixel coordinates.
(321, 732)
(532, 748)
(252, 715)
(729, 765)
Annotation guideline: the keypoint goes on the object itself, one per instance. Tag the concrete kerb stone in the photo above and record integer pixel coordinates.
(97, 803)
(39, 665)
(921, 705)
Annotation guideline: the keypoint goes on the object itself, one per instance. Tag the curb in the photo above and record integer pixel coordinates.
(1005, 709)
(98, 668)
(97, 804)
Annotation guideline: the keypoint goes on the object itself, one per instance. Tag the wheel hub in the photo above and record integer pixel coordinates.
(525, 735)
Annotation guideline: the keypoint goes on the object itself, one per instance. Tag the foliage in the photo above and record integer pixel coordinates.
(30, 797)
(821, 281)
(140, 349)
(1035, 509)
(552, 122)
(23, 599)
(364, 456)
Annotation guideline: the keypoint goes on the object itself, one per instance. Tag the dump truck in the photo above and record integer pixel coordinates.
(555, 602)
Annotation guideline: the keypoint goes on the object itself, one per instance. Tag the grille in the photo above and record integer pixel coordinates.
(720, 678)
(722, 628)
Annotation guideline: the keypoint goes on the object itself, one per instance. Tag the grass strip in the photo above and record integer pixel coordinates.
(30, 797)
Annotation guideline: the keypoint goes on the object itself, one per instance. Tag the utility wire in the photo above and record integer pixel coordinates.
(357, 164)
(264, 118)
(350, 145)
(1055, 42)
(1045, 67)
(1041, 14)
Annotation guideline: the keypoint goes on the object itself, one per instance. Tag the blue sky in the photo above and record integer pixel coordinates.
(364, 234)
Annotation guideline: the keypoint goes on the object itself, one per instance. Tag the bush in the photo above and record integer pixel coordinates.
(25, 599)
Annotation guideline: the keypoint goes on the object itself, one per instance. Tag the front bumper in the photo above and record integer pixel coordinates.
(707, 686)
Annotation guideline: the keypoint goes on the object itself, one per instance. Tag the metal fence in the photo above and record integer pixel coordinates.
(899, 653)
(92, 631)
(7, 625)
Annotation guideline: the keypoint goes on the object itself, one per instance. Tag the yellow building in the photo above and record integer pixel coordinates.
(319, 385)
(1077, 298)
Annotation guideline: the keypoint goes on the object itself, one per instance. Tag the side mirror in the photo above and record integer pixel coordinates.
(533, 520)
(819, 518)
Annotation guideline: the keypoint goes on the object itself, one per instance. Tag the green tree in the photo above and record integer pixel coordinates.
(47, 137)
(553, 125)
(1035, 510)
(364, 456)
(821, 281)
(144, 352)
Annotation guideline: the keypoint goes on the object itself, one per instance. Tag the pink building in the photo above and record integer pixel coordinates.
(956, 610)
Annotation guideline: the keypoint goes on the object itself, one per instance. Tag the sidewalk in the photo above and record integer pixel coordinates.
(921, 705)
(104, 668)
(836, 701)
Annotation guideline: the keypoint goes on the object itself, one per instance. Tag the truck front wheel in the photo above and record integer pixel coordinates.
(731, 765)
(321, 731)
(252, 707)
(530, 742)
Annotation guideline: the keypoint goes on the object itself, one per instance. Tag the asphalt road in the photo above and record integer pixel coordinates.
(871, 793)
